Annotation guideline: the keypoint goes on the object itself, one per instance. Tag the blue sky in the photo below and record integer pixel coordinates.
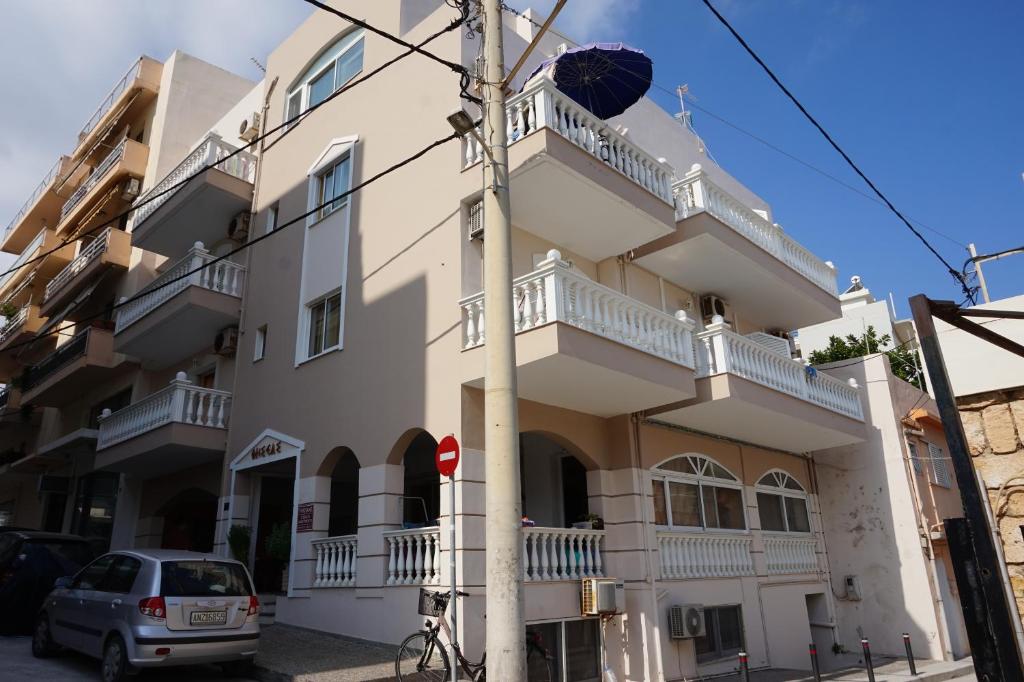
(926, 97)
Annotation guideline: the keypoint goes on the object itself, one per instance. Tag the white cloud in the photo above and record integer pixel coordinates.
(587, 20)
(61, 57)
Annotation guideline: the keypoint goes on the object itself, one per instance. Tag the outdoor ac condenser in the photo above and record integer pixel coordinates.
(602, 596)
(685, 621)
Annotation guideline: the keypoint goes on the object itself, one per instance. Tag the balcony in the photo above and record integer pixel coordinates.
(723, 247)
(336, 561)
(562, 554)
(127, 159)
(583, 346)
(696, 556)
(10, 399)
(19, 328)
(26, 266)
(178, 215)
(751, 392)
(112, 248)
(131, 94)
(58, 452)
(180, 312)
(75, 367)
(176, 428)
(576, 181)
(42, 206)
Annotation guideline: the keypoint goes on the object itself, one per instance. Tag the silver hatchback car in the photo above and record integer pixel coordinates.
(147, 608)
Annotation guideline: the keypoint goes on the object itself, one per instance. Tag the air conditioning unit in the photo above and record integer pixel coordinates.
(131, 190)
(55, 484)
(476, 221)
(226, 341)
(685, 621)
(238, 229)
(602, 596)
(711, 305)
(250, 127)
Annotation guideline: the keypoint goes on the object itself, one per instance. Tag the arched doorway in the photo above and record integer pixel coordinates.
(421, 490)
(344, 513)
(190, 518)
(553, 482)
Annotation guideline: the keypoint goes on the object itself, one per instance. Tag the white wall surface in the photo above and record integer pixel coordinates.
(855, 320)
(975, 365)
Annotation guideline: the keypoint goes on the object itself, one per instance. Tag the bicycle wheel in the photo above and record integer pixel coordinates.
(422, 660)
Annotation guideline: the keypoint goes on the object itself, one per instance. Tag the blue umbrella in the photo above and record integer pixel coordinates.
(606, 78)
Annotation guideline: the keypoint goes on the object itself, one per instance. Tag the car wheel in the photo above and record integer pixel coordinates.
(42, 641)
(237, 668)
(115, 667)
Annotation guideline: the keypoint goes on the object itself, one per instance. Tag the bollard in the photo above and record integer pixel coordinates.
(814, 663)
(910, 653)
(867, 659)
(744, 669)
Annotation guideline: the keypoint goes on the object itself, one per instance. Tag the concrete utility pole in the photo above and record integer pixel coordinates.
(506, 629)
(981, 276)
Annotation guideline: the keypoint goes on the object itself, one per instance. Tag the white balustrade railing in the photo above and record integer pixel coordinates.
(182, 402)
(108, 101)
(13, 323)
(696, 193)
(195, 269)
(210, 153)
(703, 555)
(790, 554)
(26, 254)
(335, 561)
(541, 105)
(94, 250)
(97, 174)
(554, 293)
(562, 554)
(414, 556)
(720, 350)
(50, 176)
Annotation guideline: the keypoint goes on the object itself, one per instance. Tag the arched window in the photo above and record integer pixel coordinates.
(693, 491)
(335, 66)
(782, 503)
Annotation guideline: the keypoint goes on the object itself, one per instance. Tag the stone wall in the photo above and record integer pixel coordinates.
(994, 425)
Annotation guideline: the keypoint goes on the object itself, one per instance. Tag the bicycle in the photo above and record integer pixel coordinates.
(422, 656)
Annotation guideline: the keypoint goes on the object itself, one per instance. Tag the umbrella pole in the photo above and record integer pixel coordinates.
(533, 44)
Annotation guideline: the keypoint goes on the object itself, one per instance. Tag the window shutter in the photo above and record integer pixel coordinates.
(940, 466)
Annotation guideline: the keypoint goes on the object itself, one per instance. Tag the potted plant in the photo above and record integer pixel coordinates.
(589, 522)
(279, 547)
(8, 309)
(239, 540)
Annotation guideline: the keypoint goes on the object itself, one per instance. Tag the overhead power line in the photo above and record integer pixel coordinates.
(775, 79)
(252, 242)
(287, 126)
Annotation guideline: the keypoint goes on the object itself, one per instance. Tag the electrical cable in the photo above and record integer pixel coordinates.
(952, 271)
(146, 291)
(287, 125)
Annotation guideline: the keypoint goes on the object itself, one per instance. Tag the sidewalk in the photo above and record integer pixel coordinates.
(291, 654)
(887, 670)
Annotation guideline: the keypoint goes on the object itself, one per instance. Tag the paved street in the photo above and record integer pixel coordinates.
(20, 666)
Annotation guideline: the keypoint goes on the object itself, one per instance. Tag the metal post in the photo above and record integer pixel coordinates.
(744, 667)
(451, 569)
(910, 653)
(867, 659)
(994, 646)
(977, 268)
(506, 650)
(814, 663)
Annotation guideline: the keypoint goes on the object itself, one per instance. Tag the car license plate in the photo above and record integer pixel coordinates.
(208, 617)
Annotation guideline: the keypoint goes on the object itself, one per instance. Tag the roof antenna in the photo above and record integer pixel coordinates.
(258, 65)
(685, 118)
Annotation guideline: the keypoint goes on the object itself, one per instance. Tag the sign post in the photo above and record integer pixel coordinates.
(447, 460)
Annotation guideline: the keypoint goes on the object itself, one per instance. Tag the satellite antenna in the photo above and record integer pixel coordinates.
(685, 117)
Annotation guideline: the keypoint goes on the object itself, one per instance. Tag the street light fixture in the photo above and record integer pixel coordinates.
(464, 125)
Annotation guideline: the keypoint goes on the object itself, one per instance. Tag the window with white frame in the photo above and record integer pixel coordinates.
(915, 459)
(940, 466)
(782, 504)
(260, 348)
(272, 214)
(333, 183)
(335, 67)
(324, 325)
(694, 491)
(563, 651)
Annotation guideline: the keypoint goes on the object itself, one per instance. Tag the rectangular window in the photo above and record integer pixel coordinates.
(324, 325)
(321, 87)
(294, 105)
(723, 634)
(723, 508)
(272, 218)
(769, 508)
(261, 343)
(349, 64)
(940, 466)
(334, 183)
(783, 513)
(563, 651)
(914, 458)
(660, 510)
(796, 515)
(685, 501)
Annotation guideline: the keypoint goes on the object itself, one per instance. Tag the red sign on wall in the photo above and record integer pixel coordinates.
(304, 520)
(447, 456)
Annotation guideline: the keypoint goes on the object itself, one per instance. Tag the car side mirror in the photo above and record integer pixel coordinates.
(62, 583)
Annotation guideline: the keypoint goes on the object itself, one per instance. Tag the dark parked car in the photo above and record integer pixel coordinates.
(30, 562)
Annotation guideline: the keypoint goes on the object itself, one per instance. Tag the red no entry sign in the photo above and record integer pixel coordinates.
(447, 456)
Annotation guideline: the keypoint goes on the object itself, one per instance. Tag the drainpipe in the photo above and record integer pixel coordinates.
(634, 423)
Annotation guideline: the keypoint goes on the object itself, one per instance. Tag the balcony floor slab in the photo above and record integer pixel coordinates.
(164, 450)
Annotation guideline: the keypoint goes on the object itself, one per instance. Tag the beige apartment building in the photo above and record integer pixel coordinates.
(111, 425)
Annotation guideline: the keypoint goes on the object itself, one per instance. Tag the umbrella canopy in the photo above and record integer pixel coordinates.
(606, 78)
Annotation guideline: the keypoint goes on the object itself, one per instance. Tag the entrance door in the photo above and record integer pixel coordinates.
(275, 508)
